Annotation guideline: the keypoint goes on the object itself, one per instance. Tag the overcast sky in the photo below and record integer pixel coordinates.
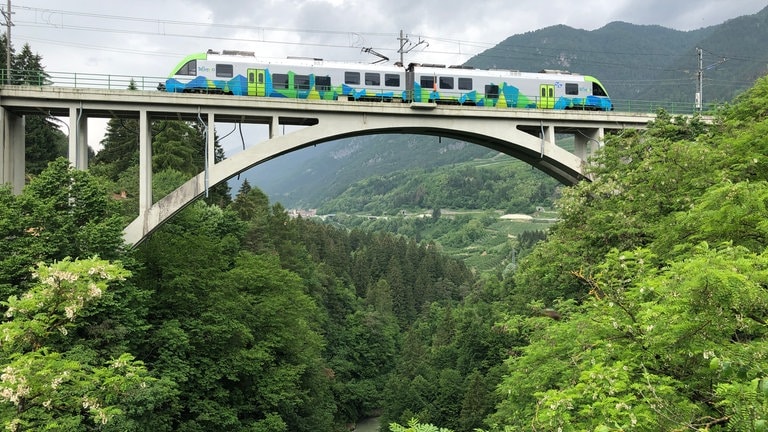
(147, 38)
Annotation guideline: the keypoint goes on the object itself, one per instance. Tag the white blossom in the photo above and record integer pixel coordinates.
(93, 290)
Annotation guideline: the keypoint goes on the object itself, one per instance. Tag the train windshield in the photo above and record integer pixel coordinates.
(189, 68)
(598, 90)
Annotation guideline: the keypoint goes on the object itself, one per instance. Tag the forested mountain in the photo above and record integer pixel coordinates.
(308, 177)
(635, 62)
(483, 184)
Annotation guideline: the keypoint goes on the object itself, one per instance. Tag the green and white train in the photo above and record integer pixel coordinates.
(243, 74)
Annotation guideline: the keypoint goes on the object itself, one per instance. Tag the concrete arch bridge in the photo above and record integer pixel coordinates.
(525, 134)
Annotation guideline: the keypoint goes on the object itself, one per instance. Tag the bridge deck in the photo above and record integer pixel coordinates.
(99, 103)
(526, 134)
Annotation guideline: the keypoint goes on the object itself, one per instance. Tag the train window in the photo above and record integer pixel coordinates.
(392, 80)
(597, 90)
(492, 91)
(251, 77)
(465, 83)
(224, 71)
(571, 89)
(301, 82)
(372, 79)
(427, 81)
(322, 83)
(280, 81)
(189, 68)
(352, 78)
(446, 83)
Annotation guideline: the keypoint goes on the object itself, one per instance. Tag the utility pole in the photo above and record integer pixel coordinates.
(700, 84)
(402, 40)
(410, 46)
(8, 25)
(700, 81)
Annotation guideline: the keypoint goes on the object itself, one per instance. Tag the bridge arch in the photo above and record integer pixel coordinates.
(526, 134)
(506, 137)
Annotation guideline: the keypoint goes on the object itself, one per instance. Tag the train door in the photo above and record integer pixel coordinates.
(547, 96)
(256, 82)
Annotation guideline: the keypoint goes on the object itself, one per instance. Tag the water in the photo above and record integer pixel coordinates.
(368, 425)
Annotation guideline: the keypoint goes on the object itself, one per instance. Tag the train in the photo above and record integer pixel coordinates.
(242, 73)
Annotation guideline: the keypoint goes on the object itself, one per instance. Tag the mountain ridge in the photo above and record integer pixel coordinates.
(634, 62)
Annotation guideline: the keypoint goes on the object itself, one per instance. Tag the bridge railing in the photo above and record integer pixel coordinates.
(80, 80)
(124, 82)
(645, 106)
(110, 82)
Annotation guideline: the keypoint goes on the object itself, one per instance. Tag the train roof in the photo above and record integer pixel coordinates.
(493, 73)
(437, 69)
(248, 56)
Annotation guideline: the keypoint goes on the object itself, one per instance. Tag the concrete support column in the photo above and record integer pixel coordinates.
(587, 142)
(78, 138)
(274, 127)
(12, 148)
(211, 140)
(145, 163)
(547, 136)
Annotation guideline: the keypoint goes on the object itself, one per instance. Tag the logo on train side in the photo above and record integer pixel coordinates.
(203, 68)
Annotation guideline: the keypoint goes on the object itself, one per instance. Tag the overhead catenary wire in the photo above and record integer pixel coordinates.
(162, 30)
(56, 18)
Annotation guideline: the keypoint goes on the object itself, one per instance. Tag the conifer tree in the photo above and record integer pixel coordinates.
(44, 141)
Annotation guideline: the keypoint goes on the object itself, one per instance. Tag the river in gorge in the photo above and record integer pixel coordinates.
(368, 425)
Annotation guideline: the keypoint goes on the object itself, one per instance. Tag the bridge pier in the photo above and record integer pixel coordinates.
(547, 136)
(12, 148)
(588, 141)
(274, 127)
(145, 162)
(78, 138)
(528, 135)
(210, 145)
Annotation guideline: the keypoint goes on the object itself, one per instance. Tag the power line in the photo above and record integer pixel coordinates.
(522, 52)
(8, 23)
(189, 23)
(48, 21)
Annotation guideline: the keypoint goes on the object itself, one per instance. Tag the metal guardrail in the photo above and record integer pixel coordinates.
(643, 106)
(124, 82)
(81, 80)
(109, 82)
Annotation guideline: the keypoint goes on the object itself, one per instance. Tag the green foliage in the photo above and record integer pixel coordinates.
(120, 148)
(61, 213)
(668, 329)
(644, 180)
(43, 140)
(415, 426)
(42, 389)
(487, 184)
(337, 165)
(235, 329)
(639, 353)
(450, 363)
